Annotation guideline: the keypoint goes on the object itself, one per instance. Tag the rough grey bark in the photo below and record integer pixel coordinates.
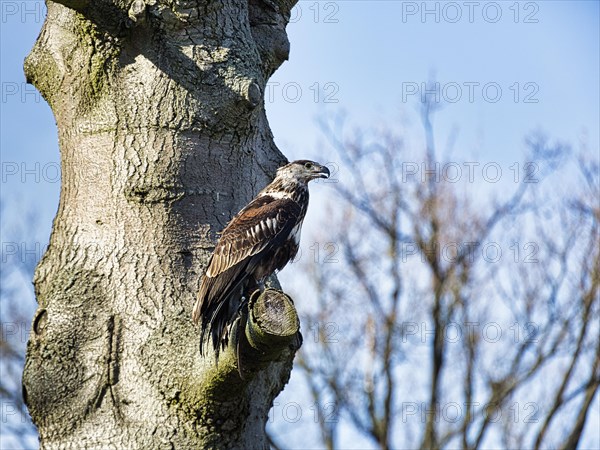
(163, 137)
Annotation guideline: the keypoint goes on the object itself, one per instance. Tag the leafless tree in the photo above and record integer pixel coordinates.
(17, 259)
(465, 313)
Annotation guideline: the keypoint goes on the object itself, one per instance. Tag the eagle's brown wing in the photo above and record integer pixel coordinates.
(252, 230)
(261, 227)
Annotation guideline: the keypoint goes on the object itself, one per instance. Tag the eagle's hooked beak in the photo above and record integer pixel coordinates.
(322, 172)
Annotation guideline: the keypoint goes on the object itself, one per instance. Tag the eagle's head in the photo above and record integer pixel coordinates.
(302, 171)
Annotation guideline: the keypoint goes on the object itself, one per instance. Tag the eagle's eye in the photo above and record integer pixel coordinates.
(308, 166)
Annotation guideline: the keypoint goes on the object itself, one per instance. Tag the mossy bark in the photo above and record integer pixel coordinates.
(163, 137)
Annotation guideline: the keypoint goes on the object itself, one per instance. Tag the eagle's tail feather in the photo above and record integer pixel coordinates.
(218, 316)
(241, 336)
(218, 324)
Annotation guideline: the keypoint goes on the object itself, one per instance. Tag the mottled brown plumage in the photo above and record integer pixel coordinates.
(262, 238)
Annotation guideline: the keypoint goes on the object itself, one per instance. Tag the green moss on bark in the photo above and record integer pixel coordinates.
(103, 52)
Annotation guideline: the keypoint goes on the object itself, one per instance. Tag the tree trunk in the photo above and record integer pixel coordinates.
(163, 137)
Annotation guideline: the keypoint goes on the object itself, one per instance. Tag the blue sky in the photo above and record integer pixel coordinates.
(374, 52)
(530, 65)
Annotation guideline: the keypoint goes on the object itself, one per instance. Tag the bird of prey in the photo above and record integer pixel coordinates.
(262, 238)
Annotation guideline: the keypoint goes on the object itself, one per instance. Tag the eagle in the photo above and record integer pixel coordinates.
(261, 239)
